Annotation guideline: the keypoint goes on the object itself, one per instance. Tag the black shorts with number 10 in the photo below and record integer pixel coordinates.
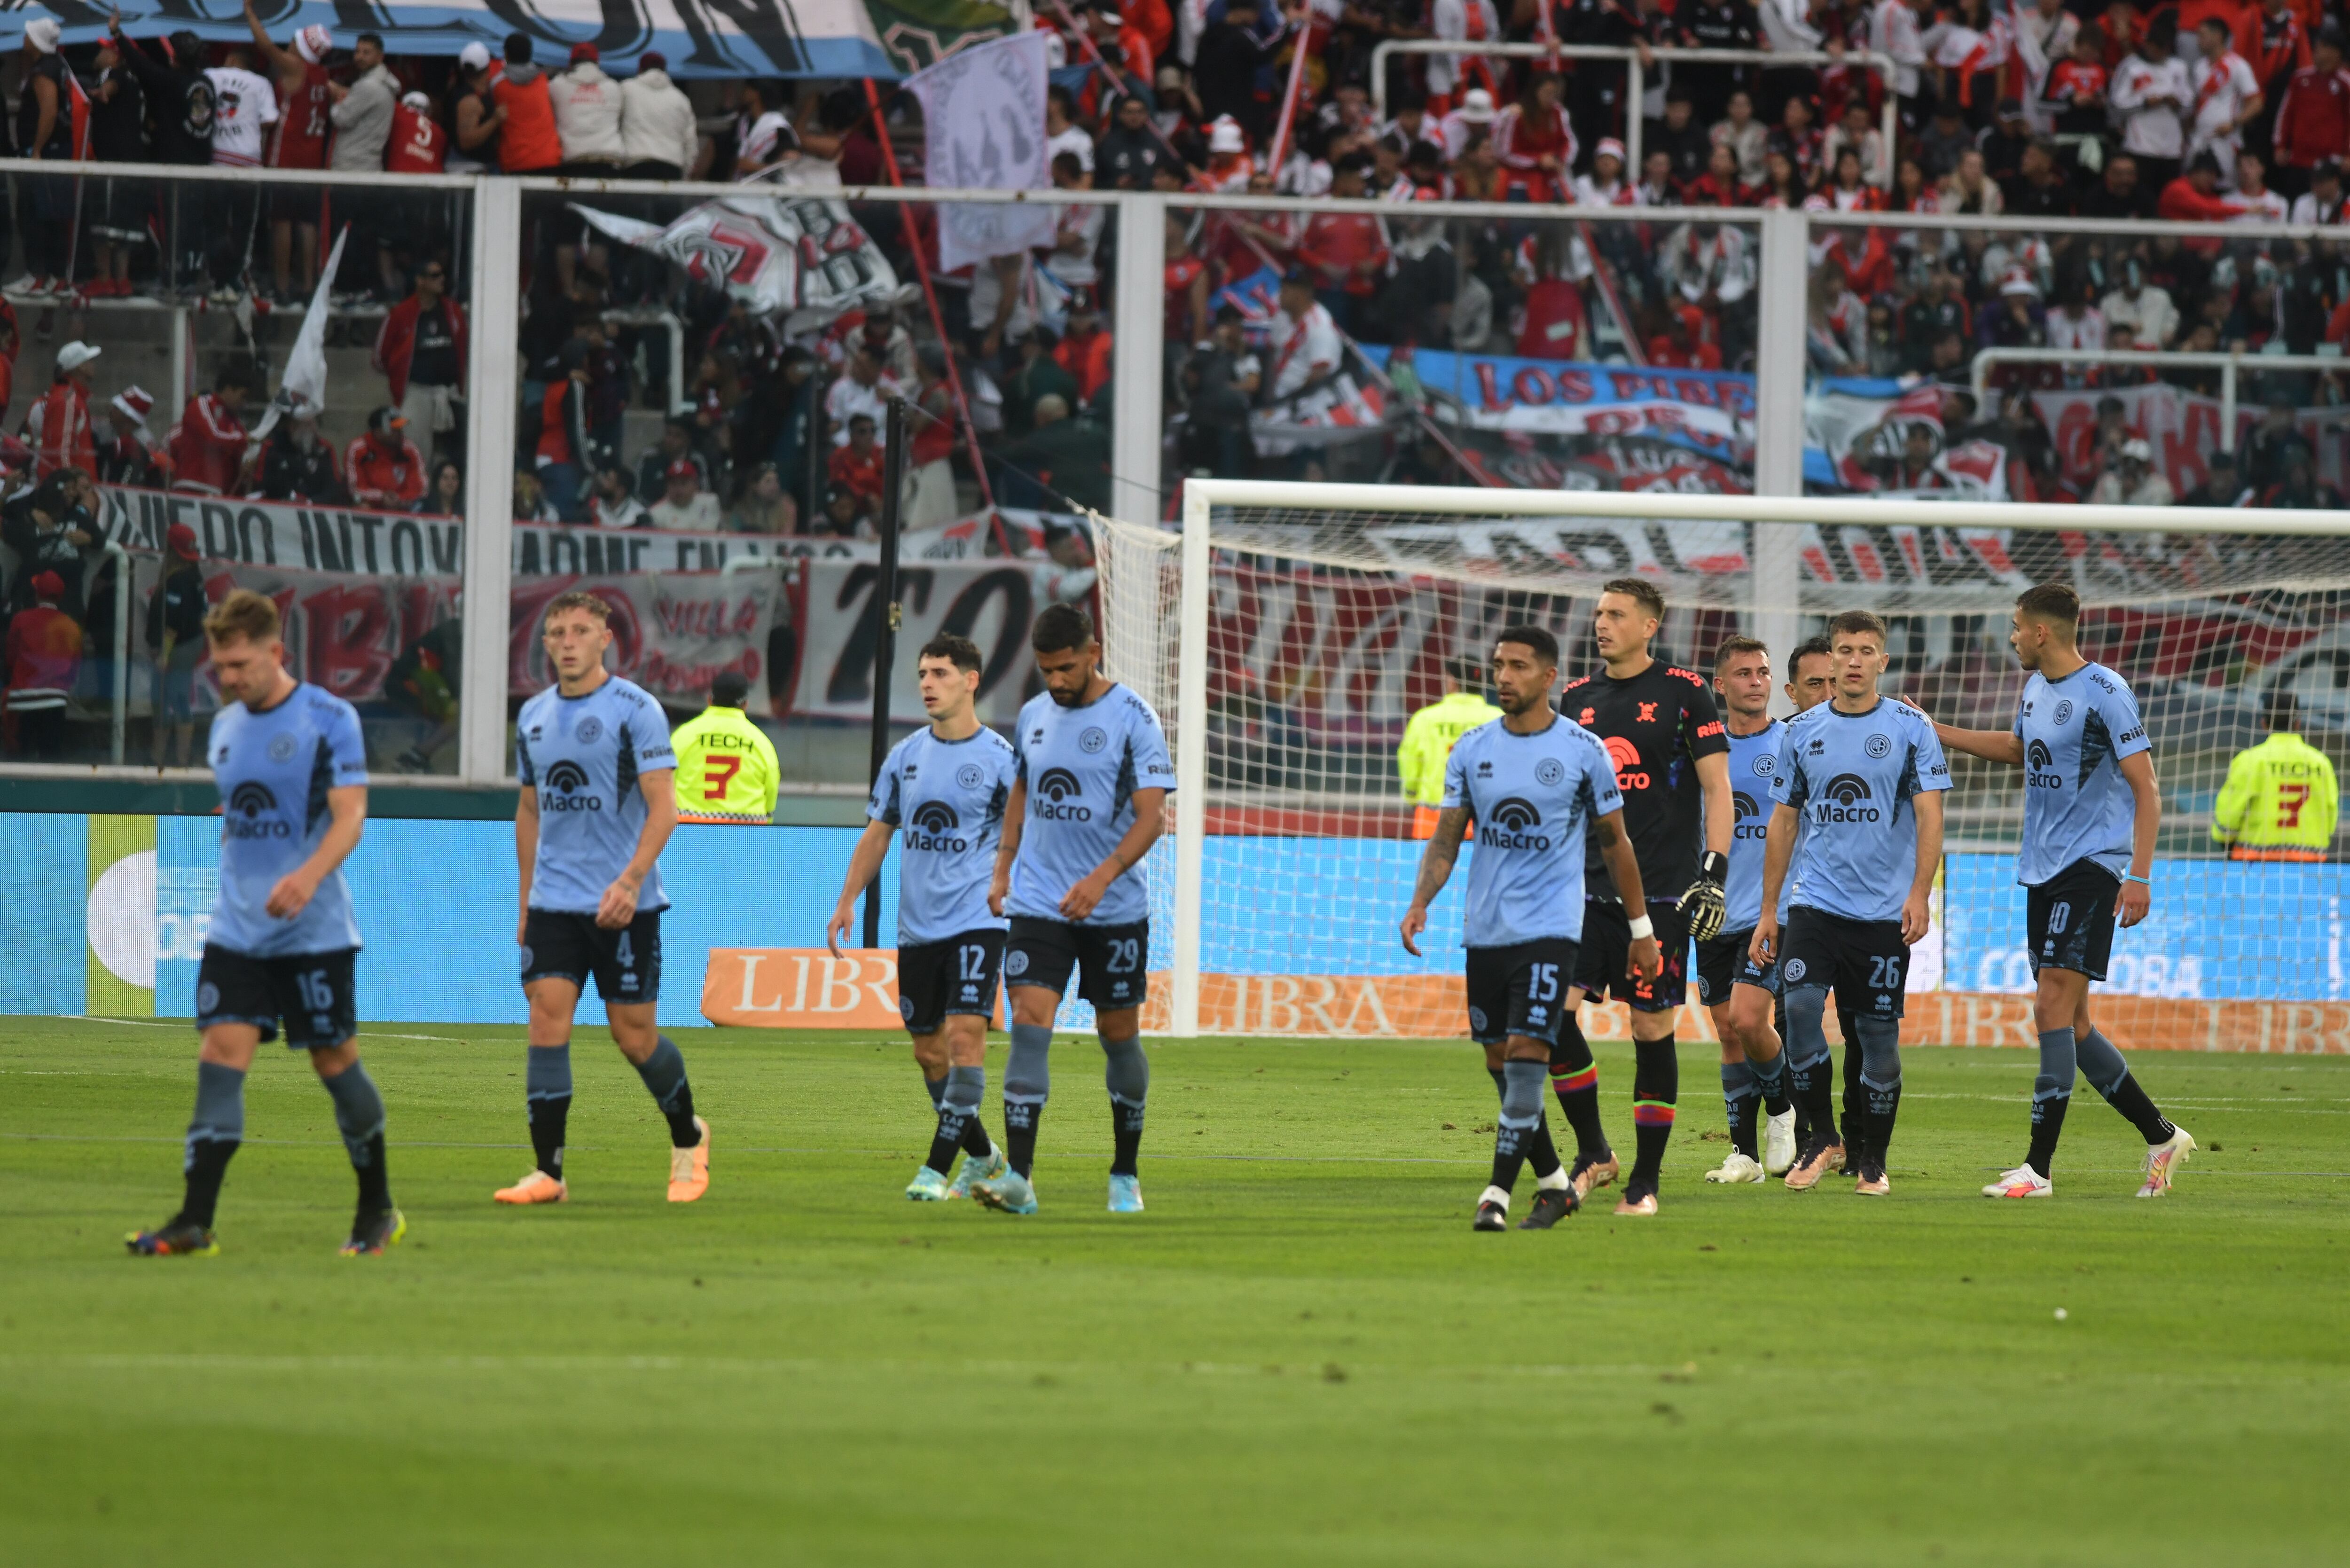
(1864, 962)
(1112, 960)
(958, 975)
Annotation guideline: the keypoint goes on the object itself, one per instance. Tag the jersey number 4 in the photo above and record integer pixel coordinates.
(717, 772)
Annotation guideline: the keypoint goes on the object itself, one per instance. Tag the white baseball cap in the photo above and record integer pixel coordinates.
(1226, 137)
(1610, 148)
(41, 32)
(1476, 106)
(77, 354)
(2138, 448)
(474, 56)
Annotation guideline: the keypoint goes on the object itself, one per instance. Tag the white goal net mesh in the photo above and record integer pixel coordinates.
(1327, 628)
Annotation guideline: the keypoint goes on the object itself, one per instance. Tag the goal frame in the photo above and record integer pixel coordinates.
(1775, 577)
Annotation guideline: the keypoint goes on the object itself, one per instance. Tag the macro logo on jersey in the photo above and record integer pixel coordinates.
(933, 827)
(1630, 776)
(1057, 789)
(1508, 826)
(562, 790)
(2040, 767)
(1844, 801)
(1748, 814)
(253, 814)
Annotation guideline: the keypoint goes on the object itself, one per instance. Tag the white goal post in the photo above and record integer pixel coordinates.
(1288, 628)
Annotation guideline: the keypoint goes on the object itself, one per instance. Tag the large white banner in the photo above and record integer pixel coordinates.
(983, 109)
(780, 252)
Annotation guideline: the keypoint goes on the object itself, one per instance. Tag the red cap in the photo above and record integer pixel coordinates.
(181, 541)
(48, 587)
(584, 52)
(684, 468)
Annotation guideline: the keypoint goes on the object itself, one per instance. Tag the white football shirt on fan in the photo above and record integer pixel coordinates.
(243, 106)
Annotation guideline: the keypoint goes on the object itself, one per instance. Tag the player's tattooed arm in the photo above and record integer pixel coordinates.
(1008, 846)
(1436, 863)
(1992, 745)
(1778, 849)
(2137, 896)
(1150, 821)
(1624, 870)
(1917, 920)
(863, 865)
(618, 905)
(347, 809)
(526, 856)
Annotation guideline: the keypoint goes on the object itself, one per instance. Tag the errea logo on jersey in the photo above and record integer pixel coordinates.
(1508, 824)
(933, 828)
(562, 792)
(2040, 767)
(252, 813)
(1842, 800)
(1055, 788)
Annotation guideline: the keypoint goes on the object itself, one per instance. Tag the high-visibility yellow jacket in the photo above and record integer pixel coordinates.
(2280, 802)
(1428, 739)
(725, 768)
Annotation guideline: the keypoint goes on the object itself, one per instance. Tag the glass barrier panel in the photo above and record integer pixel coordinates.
(219, 386)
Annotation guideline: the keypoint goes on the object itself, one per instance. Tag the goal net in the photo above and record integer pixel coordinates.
(1286, 632)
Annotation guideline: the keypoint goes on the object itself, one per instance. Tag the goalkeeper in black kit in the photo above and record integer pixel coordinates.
(1671, 752)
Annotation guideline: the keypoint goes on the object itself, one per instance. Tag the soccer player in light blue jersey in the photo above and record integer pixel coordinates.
(279, 952)
(1740, 995)
(1864, 776)
(1535, 784)
(943, 791)
(2090, 814)
(1089, 801)
(598, 803)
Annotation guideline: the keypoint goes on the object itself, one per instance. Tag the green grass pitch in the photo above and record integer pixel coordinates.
(1300, 1354)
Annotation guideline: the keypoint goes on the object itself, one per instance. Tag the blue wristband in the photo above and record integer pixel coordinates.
(2142, 881)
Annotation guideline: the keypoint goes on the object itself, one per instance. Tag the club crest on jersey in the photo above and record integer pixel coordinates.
(1629, 775)
(207, 999)
(1647, 715)
(970, 775)
(906, 1008)
(567, 789)
(281, 749)
(1794, 971)
(1549, 771)
(1766, 766)
(1477, 1019)
(252, 813)
(1844, 801)
(2040, 767)
(1704, 991)
(1016, 962)
(1508, 827)
(591, 730)
(1879, 746)
(1093, 739)
(1056, 789)
(933, 827)
(1585, 717)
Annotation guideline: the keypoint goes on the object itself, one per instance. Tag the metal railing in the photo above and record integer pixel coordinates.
(2228, 365)
(1635, 76)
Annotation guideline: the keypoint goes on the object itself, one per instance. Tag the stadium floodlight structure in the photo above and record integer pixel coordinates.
(1285, 631)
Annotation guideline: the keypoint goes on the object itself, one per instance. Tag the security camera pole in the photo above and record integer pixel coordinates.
(885, 642)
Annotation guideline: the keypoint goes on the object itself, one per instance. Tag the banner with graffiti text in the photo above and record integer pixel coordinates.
(1709, 411)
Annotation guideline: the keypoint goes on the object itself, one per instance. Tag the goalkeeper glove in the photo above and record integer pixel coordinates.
(1704, 903)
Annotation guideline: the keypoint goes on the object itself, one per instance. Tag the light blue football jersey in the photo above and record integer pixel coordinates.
(274, 769)
(1533, 798)
(1753, 759)
(1852, 776)
(2076, 805)
(948, 799)
(1081, 768)
(586, 757)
